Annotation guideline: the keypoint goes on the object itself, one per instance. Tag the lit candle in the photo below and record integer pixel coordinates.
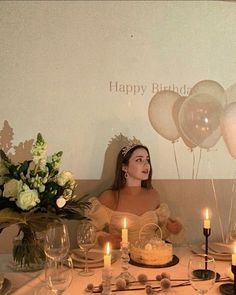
(207, 222)
(107, 257)
(234, 256)
(125, 232)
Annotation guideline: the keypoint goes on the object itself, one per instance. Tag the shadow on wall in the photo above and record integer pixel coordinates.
(17, 153)
(109, 166)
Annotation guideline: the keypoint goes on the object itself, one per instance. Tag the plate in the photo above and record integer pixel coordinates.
(227, 289)
(199, 248)
(220, 248)
(173, 262)
(6, 287)
(95, 258)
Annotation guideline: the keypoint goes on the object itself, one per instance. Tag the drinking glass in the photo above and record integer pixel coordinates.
(57, 241)
(86, 238)
(202, 272)
(232, 232)
(59, 274)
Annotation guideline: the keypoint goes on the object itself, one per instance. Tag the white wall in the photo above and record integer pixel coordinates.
(69, 69)
(60, 62)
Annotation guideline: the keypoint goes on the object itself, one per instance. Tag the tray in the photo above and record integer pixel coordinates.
(174, 261)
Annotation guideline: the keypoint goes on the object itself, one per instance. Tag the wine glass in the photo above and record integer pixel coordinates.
(57, 241)
(86, 238)
(59, 274)
(202, 272)
(232, 232)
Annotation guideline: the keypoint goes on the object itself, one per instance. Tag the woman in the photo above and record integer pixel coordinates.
(132, 196)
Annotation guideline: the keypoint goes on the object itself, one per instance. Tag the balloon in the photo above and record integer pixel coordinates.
(199, 119)
(175, 112)
(160, 114)
(228, 128)
(231, 94)
(210, 87)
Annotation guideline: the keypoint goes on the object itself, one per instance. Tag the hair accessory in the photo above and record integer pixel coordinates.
(131, 144)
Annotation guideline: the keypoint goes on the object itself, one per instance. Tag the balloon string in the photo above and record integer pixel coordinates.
(217, 210)
(198, 164)
(176, 162)
(193, 165)
(232, 200)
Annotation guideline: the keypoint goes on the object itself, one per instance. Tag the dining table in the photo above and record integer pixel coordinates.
(30, 283)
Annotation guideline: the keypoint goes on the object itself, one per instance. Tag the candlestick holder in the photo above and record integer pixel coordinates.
(106, 281)
(229, 288)
(207, 233)
(125, 274)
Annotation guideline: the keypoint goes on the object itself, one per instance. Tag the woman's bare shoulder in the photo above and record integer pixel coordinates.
(107, 198)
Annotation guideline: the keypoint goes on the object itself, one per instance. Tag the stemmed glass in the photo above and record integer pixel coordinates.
(57, 241)
(202, 272)
(59, 274)
(232, 232)
(86, 238)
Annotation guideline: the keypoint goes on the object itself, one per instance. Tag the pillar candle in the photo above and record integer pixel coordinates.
(234, 256)
(207, 222)
(107, 257)
(125, 232)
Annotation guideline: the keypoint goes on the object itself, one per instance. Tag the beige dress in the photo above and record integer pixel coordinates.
(139, 226)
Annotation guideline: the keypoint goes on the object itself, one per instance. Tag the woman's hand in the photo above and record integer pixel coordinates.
(114, 239)
(173, 226)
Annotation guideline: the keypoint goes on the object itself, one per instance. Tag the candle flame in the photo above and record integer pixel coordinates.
(125, 223)
(235, 248)
(108, 249)
(207, 214)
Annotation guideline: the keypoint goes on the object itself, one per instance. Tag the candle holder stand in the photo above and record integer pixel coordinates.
(207, 233)
(229, 289)
(106, 281)
(125, 274)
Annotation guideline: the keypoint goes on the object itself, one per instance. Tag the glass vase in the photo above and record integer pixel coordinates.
(28, 253)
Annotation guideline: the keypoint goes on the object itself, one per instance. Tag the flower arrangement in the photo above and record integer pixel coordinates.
(35, 192)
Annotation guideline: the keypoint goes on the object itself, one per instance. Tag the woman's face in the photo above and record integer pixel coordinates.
(138, 167)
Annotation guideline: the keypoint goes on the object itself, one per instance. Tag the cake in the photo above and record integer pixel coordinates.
(152, 252)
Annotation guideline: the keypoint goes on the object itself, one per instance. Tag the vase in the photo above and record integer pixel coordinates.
(28, 252)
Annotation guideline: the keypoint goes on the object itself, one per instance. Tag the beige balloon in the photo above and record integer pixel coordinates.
(210, 87)
(176, 108)
(199, 119)
(160, 114)
(228, 128)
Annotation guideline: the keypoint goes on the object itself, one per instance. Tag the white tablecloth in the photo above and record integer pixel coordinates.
(29, 283)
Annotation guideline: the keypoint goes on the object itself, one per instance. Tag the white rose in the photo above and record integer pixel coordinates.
(27, 199)
(3, 172)
(60, 202)
(64, 177)
(12, 188)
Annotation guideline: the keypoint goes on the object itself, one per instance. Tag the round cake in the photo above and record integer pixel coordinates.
(153, 252)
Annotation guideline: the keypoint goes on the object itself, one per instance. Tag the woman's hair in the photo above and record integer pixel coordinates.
(123, 158)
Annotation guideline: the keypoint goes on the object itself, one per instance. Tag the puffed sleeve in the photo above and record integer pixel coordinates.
(163, 213)
(99, 214)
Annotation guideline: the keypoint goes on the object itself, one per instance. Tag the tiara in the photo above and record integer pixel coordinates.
(131, 144)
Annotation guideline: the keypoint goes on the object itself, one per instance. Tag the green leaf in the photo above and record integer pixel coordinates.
(23, 168)
(4, 156)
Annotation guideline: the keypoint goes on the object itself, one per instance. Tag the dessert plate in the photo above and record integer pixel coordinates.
(173, 262)
(200, 248)
(95, 258)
